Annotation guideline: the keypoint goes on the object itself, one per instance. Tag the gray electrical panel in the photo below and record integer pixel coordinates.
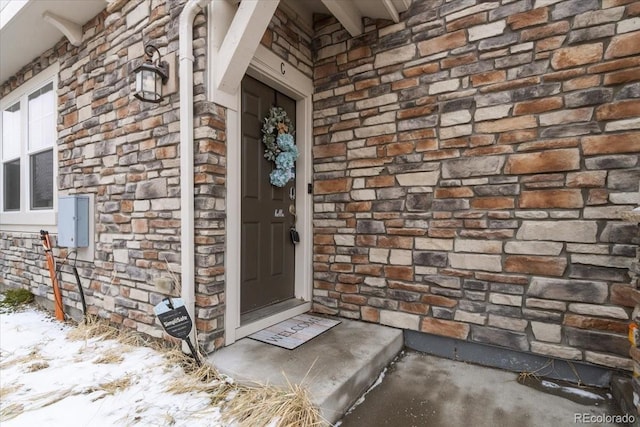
(73, 221)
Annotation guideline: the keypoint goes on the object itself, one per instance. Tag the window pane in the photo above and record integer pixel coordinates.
(12, 186)
(11, 132)
(42, 180)
(41, 118)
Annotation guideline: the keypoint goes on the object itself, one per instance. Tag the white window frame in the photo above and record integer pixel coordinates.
(27, 219)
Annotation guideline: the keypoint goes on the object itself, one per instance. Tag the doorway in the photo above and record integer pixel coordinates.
(267, 276)
(269, 69)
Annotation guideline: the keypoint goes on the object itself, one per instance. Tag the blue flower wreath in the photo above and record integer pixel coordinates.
(280, 147)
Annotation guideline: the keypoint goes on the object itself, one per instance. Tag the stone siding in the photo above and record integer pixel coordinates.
(22, 264)
(127, 154)
(289, 40)
(470, 166)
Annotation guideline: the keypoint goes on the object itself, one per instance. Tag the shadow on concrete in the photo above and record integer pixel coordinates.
(421, 390)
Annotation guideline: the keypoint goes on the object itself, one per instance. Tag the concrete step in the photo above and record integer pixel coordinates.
(336, 367)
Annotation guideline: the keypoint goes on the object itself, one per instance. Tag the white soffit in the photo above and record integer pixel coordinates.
(25, 34)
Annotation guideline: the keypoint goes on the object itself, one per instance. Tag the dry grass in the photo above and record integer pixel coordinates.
(218, 391)
(263, 404)
(111, 356)
(176, 356)
(11, 411)
(251, 406)
(206, 372)
(31, 357)
(5, 391)
(37, 366)
(575, 372)
(524, 377)
(34, 403)
(169, 420)
(112, 387)
(94, 327)
(203, 378)
(102, 329)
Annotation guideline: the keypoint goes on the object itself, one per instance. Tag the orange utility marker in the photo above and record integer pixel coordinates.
(51, 263)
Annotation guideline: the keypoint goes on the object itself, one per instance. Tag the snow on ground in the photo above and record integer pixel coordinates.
(585, 394)
(49, 380)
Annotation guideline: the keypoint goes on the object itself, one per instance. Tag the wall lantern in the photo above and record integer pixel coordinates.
(151, 76)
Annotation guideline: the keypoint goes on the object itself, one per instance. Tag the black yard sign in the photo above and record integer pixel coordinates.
(175, 320)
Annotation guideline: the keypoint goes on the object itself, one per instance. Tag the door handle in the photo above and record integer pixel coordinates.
(293, 233)
(292, 211)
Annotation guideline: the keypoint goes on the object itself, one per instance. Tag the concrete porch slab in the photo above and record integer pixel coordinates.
(423, 390)
(336, 367)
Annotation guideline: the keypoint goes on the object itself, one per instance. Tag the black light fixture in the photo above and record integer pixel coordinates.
(151, 76)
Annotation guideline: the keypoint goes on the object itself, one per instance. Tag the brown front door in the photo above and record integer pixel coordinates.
(267, 253)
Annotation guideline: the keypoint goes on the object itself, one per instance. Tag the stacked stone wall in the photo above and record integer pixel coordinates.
(126, 153)
(470, 166)
(289, 40)
(22, 264)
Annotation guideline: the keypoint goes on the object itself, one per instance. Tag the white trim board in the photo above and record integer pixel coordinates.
(267, 67)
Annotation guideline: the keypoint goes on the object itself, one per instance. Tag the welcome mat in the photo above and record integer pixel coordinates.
(294, 332)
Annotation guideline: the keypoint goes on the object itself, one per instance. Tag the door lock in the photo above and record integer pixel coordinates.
(295, 236)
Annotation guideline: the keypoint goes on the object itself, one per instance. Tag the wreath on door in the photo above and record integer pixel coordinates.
(279, 146)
